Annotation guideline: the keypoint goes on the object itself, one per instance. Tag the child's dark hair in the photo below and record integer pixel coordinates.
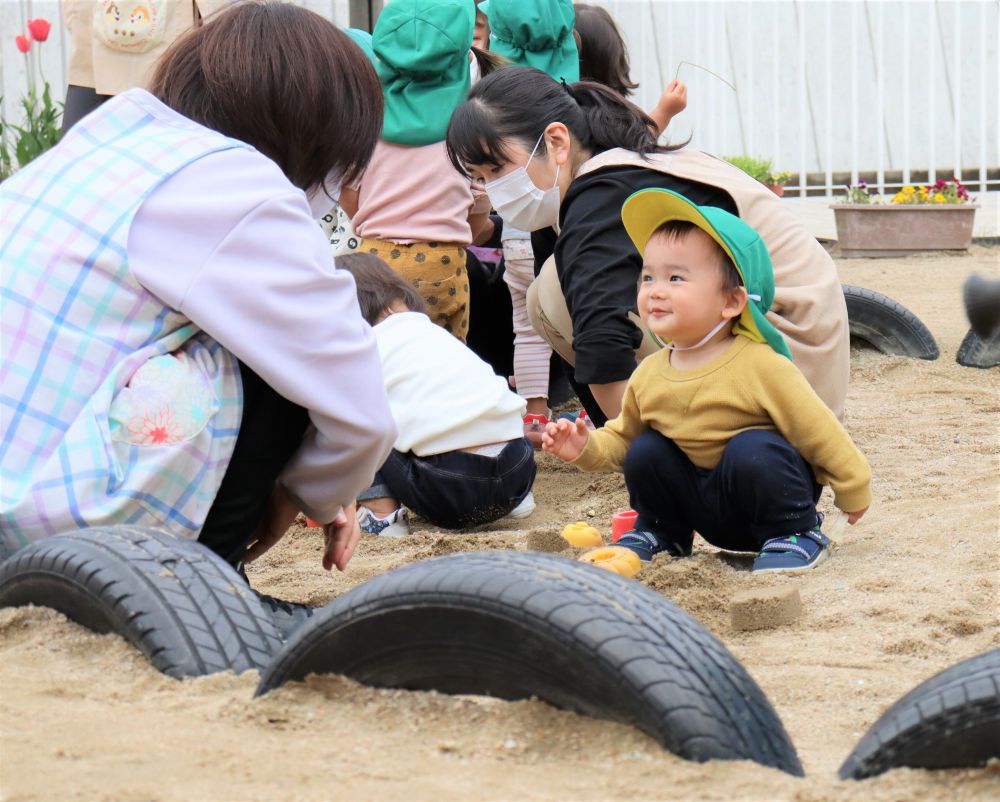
(280, 78)
(679, 229)
(518, 103)
(603, 55)
(379, 287)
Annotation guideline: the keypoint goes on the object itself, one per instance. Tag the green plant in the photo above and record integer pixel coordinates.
(860, 194)
(41, 125)
(760, 169)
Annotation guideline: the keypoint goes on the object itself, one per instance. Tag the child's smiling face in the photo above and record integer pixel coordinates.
(681, 289)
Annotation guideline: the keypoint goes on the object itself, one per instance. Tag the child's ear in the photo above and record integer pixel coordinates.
(736, 301)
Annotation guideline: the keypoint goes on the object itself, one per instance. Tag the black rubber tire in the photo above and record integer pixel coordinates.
(977, 352)
(887, 325)
(952, 720)
(175, 600)
(515, 625)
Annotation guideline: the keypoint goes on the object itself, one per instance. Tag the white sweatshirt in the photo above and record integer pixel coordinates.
(443, 397)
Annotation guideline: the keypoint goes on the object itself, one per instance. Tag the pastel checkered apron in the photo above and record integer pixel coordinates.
(114, 408)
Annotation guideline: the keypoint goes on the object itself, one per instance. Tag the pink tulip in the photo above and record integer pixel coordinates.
(39, 29)
(23, 43)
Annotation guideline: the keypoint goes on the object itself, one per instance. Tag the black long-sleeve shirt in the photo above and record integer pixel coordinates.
(599, 267)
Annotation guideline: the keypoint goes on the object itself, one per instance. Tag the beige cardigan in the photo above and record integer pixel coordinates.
(109, 71)
(809, 307)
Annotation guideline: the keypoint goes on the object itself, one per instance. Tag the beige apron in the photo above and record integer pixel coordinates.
(808, 309)
(115, 43)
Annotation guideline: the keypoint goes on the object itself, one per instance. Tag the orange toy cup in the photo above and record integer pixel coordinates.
(622, 522)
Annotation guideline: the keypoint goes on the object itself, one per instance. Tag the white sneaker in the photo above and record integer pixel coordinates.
(525, 508)
(393, 525)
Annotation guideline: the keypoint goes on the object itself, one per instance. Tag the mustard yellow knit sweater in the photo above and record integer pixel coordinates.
(749, 386)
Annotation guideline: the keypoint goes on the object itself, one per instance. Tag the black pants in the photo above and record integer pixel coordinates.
(458, 489)
(80, 101)
(271, 431)
(761, 488)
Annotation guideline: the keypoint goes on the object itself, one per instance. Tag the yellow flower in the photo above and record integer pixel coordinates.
(938, 197)
(908, 190)
(900, 197)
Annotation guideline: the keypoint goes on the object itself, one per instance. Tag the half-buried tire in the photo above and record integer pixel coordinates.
(979, 352)
(952, 720)
(514, 625)
(887, 325)
(175, 600)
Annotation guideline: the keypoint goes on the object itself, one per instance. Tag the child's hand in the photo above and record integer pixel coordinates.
(673, 100)
(854, 517)
(566, 439)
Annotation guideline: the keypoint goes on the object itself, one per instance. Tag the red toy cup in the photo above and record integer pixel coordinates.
(314, 524)
(622, 522)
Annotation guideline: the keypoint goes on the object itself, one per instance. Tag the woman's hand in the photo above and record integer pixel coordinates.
(854, 517)
(565, 439)
(342, 538)
(278, 516)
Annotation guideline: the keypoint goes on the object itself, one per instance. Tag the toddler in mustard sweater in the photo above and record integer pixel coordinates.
(719, 432)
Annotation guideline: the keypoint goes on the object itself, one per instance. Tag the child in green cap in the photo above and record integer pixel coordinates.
(412, 208)
(719, 432)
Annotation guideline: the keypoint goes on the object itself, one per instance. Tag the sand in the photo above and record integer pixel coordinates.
(910, 590)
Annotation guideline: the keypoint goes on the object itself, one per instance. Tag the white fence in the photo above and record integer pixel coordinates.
(895, 89)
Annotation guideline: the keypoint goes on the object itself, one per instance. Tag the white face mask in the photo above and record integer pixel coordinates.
(520, 203)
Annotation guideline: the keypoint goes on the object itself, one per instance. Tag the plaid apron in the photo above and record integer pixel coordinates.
(114, 408)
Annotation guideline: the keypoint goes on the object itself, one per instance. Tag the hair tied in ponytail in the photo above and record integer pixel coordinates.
(567, 88)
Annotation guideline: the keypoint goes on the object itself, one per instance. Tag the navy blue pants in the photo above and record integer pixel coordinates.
(761, 488)
(458, 489)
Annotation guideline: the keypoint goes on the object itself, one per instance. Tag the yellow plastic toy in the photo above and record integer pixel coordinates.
(616, 559)
(582, 535)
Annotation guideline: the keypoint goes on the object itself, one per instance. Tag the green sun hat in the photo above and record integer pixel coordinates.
(423, 62)
(535, 33)
(648, 209)
(362, 39)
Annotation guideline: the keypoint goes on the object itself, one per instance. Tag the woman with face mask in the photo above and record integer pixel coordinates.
(567, 156)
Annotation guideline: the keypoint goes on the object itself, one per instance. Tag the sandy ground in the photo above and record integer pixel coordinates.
(910, 590)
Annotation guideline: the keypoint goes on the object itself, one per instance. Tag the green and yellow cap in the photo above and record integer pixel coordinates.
(648, 209)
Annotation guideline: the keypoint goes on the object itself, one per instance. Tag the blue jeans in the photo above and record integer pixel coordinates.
(761, 488)
(458, 489)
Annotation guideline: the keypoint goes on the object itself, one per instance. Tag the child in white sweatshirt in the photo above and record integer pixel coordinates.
(461, 458)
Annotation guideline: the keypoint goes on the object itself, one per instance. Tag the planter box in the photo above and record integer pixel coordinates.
(901, 230)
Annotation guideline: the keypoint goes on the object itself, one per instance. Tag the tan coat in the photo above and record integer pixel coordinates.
(115, 43)
(808, 309)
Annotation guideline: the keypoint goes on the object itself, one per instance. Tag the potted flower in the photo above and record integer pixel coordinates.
(762, 170)
(916, 219)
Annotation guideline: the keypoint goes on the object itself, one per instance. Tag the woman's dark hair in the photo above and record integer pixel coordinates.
(519, 103)
(379, 287)
(488, 61)
(282, 79)
(603, 55)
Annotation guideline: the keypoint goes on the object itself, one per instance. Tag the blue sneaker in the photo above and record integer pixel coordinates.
(581, 414)
(796, 552)
(646, 544)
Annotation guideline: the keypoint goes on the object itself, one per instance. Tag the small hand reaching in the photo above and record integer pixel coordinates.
(674, 99)
(566, 439)
(854, 517)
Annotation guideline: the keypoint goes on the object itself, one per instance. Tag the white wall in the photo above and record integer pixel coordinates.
(821, 85)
